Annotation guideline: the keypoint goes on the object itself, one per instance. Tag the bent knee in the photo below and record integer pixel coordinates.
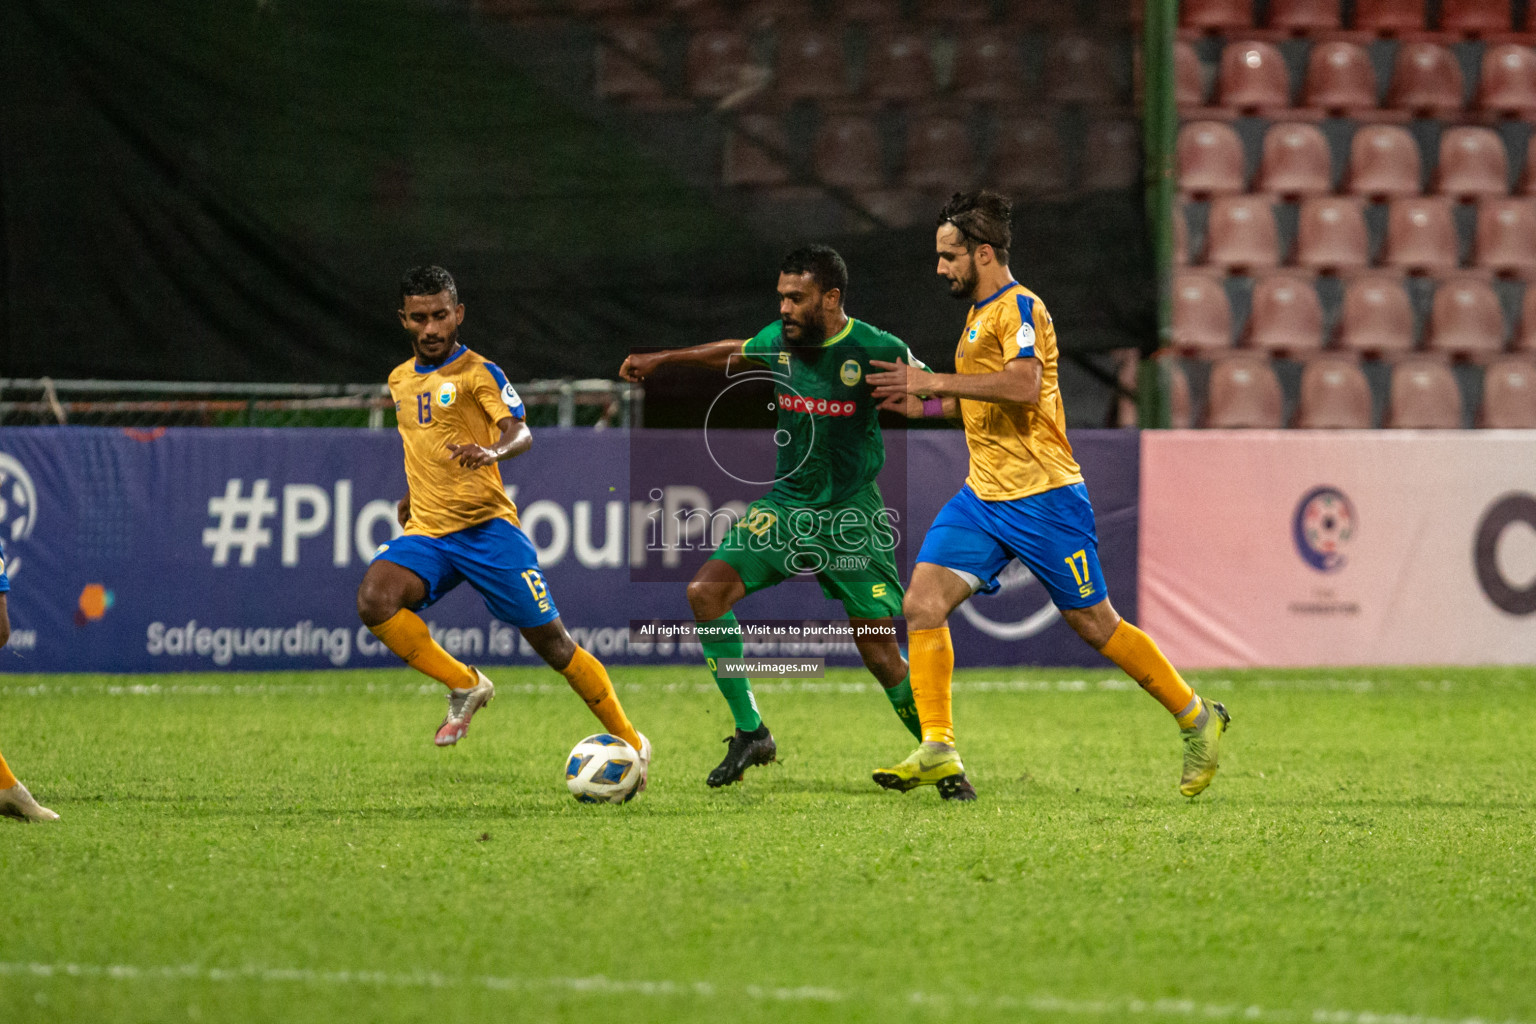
(375, 605)
(708, 601)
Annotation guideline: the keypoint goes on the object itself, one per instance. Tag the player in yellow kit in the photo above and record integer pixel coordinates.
(15, 801)
(1024, 499)
(459, 417)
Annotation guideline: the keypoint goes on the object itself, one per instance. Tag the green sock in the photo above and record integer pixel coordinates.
(900, 697)
(722, 639)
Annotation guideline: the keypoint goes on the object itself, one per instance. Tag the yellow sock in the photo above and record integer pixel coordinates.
(1140, 659)
(933, 664)
(406, 635)
(588, 678)
(7, 780)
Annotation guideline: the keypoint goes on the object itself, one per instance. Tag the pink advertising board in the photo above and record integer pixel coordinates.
(1290, 548)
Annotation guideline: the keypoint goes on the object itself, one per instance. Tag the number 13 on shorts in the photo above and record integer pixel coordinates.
(535, 581)
(1078, 563)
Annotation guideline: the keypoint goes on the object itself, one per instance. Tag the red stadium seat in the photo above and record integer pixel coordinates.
(988, 68)
(1466, 319)
(898, 67)
(1508, 82)
(1506, 237)
(1077, 71)
(1334, 395)
(939, 156)
(1424, 396)
(629, 63)
(1111, 156)
(1527, 184)
(1188, 82)
(1472, 164)
(1244, 393)
(1241, 233)
(1303, 16)
(747, 163)
(1253, 78)
(1286, 316)
(1383, 163)
(1295, 162)
(1028, 159)
(1509, 395)
(1426, 81)
(847, 153)
(1375, 317)
(1340, 79)
(1389, 17)
(1216, 15)
(1210, 159)
(810, 65)
(1475, 17)
(717, 59)
(1180, 236)
(1331, 235)
(1202, 316)
(1525, 333)
(1421, 236)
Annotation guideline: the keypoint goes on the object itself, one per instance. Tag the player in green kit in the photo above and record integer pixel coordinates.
(825, 513)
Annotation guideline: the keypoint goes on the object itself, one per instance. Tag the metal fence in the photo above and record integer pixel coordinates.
(150, 404)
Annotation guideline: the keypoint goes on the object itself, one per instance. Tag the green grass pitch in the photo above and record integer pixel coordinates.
(293, 848)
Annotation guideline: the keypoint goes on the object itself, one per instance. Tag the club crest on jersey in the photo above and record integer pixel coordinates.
(970, 335)
(1026, 335)
(447, 391)
(851, 372)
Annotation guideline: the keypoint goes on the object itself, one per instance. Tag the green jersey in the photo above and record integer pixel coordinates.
(827, 410)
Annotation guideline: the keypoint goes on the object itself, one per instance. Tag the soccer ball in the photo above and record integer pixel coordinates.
(603, 769)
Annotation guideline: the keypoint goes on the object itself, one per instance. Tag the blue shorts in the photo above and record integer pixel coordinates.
(495, 557)
(1052, 533)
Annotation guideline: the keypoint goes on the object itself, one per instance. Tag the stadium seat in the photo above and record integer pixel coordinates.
(939, 155)
(1334, 395)
(1331, 235)
(1341, 80)
(846, 152)
(1383, 163)
(717, 59)
(1188, 82)
(1295, 162)
(1285, 315)
(1303, 17)
(1475, 17)
(1180, 237)
(1375, 317)
(1202, 315)
(748, 164)
(629, 62)
(1426, 81)
(1506, 237)
(1077, 71)
(1465, 320)
(1216, 15)
(1389, 17)
(1210, 159)
(1526, 186)
(1524, 340)
(810, 65)
(1112, 156)
(1241, 233)
(988, 68)
(1509, 395)
(1180, 405)
(1423, 396)
(1243, 393)
(897, 66)
(1508, 82)
(1421, 236)
(1472, 164)
(1028, 159)
(1253, 78)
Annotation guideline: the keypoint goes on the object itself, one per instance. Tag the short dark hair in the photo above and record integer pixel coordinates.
(982, 218)
(824, 265)
(428, 280)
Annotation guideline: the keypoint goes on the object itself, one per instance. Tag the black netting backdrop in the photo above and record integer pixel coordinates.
(230, 191)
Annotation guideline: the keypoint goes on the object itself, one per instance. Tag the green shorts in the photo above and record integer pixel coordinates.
(849, 547)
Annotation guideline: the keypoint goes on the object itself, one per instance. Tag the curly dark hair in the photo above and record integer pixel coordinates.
(824, 265)
(428, 280)
(982, 218)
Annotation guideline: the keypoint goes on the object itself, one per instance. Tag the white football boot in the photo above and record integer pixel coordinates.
(16, 802)
(462, 705)
(645, 763)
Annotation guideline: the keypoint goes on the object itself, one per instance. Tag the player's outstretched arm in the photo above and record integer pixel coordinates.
(716, 355)
(516, 439)
(1018, 383)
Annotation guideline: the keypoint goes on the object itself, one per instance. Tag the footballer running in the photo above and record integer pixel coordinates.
(1024, 498)
(458, 418)
(15, 801)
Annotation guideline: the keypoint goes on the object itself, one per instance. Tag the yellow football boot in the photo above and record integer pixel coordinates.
(1200, 750)
(932, 764)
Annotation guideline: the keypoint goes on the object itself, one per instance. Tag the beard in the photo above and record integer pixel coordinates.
(964, 285)
(811, 334)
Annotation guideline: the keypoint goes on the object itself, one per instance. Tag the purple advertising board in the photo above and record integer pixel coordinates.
(231, 549)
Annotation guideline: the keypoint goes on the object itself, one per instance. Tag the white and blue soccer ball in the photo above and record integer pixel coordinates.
(603, 769)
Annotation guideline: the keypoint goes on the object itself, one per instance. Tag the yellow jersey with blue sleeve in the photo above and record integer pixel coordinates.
(1016, 450)
(458, 401)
